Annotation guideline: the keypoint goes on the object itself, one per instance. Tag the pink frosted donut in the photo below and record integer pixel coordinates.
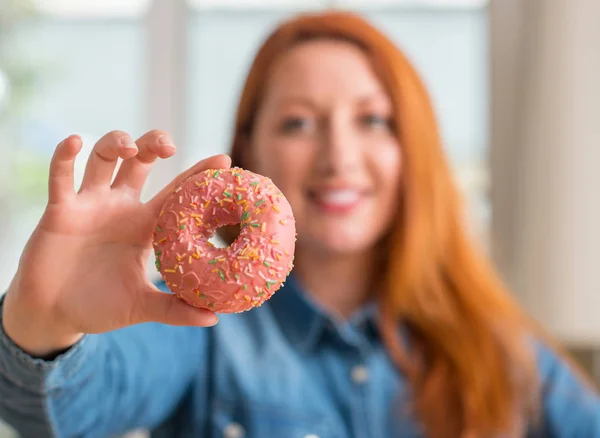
(249, 271)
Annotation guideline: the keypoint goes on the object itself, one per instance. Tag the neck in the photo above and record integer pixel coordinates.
(340, 283)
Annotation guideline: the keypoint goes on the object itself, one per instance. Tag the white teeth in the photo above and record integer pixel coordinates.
(339, 197)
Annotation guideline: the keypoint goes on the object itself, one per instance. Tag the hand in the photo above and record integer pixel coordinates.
(83, 269)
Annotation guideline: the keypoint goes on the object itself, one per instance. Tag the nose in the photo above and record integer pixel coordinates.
(340, 147)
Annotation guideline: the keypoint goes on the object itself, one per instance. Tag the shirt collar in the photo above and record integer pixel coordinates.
(304, 321)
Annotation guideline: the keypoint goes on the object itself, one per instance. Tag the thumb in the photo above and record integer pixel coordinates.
(166, 308)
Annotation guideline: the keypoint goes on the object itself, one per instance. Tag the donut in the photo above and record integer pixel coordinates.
(246, 273)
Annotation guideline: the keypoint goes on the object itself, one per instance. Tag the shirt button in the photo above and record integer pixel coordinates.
(359, 374)
(233, 430)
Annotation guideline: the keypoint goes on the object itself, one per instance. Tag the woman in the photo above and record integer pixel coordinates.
(391, 324)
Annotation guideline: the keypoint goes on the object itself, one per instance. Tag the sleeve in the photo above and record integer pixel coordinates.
(570, 406)
(104, 385)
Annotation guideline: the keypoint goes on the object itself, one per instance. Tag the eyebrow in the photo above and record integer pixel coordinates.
(287, 100)
(373, 95)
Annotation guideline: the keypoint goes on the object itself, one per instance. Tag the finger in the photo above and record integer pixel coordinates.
(104, 157)
(166, 308)
(60, 180)
(134, 172)
(214, 162)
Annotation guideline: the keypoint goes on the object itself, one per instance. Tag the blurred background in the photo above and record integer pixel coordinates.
(515, 84)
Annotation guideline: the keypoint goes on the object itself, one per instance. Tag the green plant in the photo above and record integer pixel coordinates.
(21, 74)
(21, 172)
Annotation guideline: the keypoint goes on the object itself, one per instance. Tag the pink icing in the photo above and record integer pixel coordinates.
(253, 267)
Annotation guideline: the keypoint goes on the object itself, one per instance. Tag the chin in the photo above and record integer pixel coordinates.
(340, 244)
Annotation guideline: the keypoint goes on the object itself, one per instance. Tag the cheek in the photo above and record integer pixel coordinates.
(387, 166)
(286, 164)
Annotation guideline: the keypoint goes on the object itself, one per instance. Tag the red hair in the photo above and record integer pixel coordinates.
(469, 362)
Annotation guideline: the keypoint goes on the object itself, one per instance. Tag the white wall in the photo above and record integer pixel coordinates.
(546, 149)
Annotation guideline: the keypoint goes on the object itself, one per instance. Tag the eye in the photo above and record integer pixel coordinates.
(294, 124)
(374, 120)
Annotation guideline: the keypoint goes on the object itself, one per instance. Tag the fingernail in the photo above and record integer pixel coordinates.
(127, 142)
(165, 140)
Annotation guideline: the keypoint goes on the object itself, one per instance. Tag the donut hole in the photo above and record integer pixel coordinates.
(226, 235)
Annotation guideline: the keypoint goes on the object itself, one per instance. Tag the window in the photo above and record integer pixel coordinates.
(92, 9)
(68, 67)
(431, 5)
(240, 5)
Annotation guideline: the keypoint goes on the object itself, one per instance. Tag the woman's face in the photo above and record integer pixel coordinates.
(323, 135)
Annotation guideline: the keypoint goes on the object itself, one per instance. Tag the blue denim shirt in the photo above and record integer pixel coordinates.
(284, 370)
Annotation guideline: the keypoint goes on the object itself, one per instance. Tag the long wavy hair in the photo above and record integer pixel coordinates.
(468, 356)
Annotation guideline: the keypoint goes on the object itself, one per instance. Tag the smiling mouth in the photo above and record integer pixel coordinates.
(338, 201)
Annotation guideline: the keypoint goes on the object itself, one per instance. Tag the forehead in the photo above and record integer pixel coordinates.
(323, 70)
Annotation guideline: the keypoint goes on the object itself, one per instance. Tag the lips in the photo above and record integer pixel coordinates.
(337, 200)
(339, 197)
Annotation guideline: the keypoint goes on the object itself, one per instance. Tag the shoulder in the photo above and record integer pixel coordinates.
(570, 404)
(557, 372)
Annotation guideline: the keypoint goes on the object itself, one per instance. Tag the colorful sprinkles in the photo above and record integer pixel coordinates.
(249, 271)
